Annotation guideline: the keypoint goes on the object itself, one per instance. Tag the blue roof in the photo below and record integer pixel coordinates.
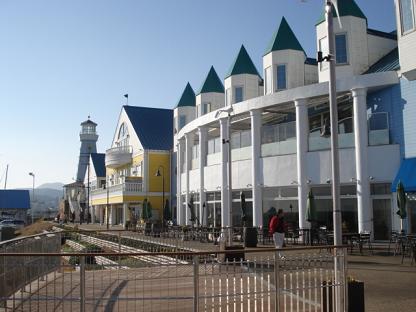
(389, 62)
(14, 199)
(153, 126)
(98, 161)
(406, 174)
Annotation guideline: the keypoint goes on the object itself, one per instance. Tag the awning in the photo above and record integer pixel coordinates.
(406, 174)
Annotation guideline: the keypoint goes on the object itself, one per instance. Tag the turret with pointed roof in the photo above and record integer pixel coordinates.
(284, 62)
(212, 83)
(242, 64)
(242, 81)
(211, 94)
(187, 98)
(345, 8)
(353, 55)
(184, 111)
(284, 39)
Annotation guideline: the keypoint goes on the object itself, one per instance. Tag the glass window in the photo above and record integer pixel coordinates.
(245, 138)
(206, 108)
(217, 145)
(195, 149)
(323, 47)
(407, 15)
(341, 49)
(238, 96)
(380, 189)
(211, 146)
(268, 79)
(182, 121)
(281, 77)
(348, 190)
(235, 140)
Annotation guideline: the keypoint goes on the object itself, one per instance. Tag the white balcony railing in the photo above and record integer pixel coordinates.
(118, 156)
(121, 189)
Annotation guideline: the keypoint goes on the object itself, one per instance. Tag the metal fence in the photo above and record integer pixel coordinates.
(104, 272)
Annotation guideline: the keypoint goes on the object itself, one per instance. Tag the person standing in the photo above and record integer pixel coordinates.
(277, 229)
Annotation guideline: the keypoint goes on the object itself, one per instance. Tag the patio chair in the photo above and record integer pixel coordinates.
(394, 239)
(365, 238)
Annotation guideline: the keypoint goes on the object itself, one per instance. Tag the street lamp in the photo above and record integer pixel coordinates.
(228, 110)
(158, 174)
(33, 193)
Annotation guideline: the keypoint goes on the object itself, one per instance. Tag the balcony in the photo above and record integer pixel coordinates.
(118, 156)
(279, 139)
(126, 188)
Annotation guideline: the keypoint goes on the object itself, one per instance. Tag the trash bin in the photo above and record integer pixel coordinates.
(250, 237)
(356, 301)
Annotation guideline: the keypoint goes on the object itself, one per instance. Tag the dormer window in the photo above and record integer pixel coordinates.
(281, 83)
(238, 94)
(407, 16)
(341, 49)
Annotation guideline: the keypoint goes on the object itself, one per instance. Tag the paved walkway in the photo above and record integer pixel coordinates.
(389, 285)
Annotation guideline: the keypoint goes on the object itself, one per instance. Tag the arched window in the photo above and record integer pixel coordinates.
(123, 135)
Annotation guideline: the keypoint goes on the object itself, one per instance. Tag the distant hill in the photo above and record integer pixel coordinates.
(54, 186)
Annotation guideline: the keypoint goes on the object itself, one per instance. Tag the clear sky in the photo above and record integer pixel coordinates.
(61, 61)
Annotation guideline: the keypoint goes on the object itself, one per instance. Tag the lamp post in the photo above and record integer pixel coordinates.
(33, 193)
(228, 110)
(333, 110)
(158, 174)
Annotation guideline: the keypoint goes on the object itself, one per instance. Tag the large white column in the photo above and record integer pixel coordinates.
(92, 211)
(361, 159)
(180, 214)
(203, 137)
(255, 116)
(301, 150)
(101, 214)
(189, 141)
(225, 207)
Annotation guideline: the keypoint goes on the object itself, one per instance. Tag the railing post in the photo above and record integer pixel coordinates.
(196, 283)
(119, 249)
(82, 282)
(276, 282)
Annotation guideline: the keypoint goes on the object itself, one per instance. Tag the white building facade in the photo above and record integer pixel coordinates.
(277, 152)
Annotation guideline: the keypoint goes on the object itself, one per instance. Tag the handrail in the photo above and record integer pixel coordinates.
(123, 148)
(182, 253)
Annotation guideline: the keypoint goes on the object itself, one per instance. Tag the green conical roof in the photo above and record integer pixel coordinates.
(284, 39)
(345, 8)
(187, 97)
(242, 64)
(212, 83)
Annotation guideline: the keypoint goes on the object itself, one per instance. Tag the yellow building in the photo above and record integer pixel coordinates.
(137, 167)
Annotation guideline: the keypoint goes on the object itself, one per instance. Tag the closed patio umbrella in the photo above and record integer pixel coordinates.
(401, 202)
(243, 208)
(166, 211)
(144, 215)
(192, 209)
(310, 208)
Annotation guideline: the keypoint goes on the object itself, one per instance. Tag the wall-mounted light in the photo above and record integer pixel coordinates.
(294, 182)
(353, 179)
(371, 178)
(308, 181)
(249, 185)
(328, 181)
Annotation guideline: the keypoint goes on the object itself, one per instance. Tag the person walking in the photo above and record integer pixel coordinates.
(277, 230)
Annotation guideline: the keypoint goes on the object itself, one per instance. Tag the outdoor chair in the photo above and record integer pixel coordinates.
(394, 240)
(409, 248)
(362, 239)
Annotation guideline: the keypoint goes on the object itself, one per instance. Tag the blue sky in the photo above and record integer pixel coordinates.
(61, 61)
